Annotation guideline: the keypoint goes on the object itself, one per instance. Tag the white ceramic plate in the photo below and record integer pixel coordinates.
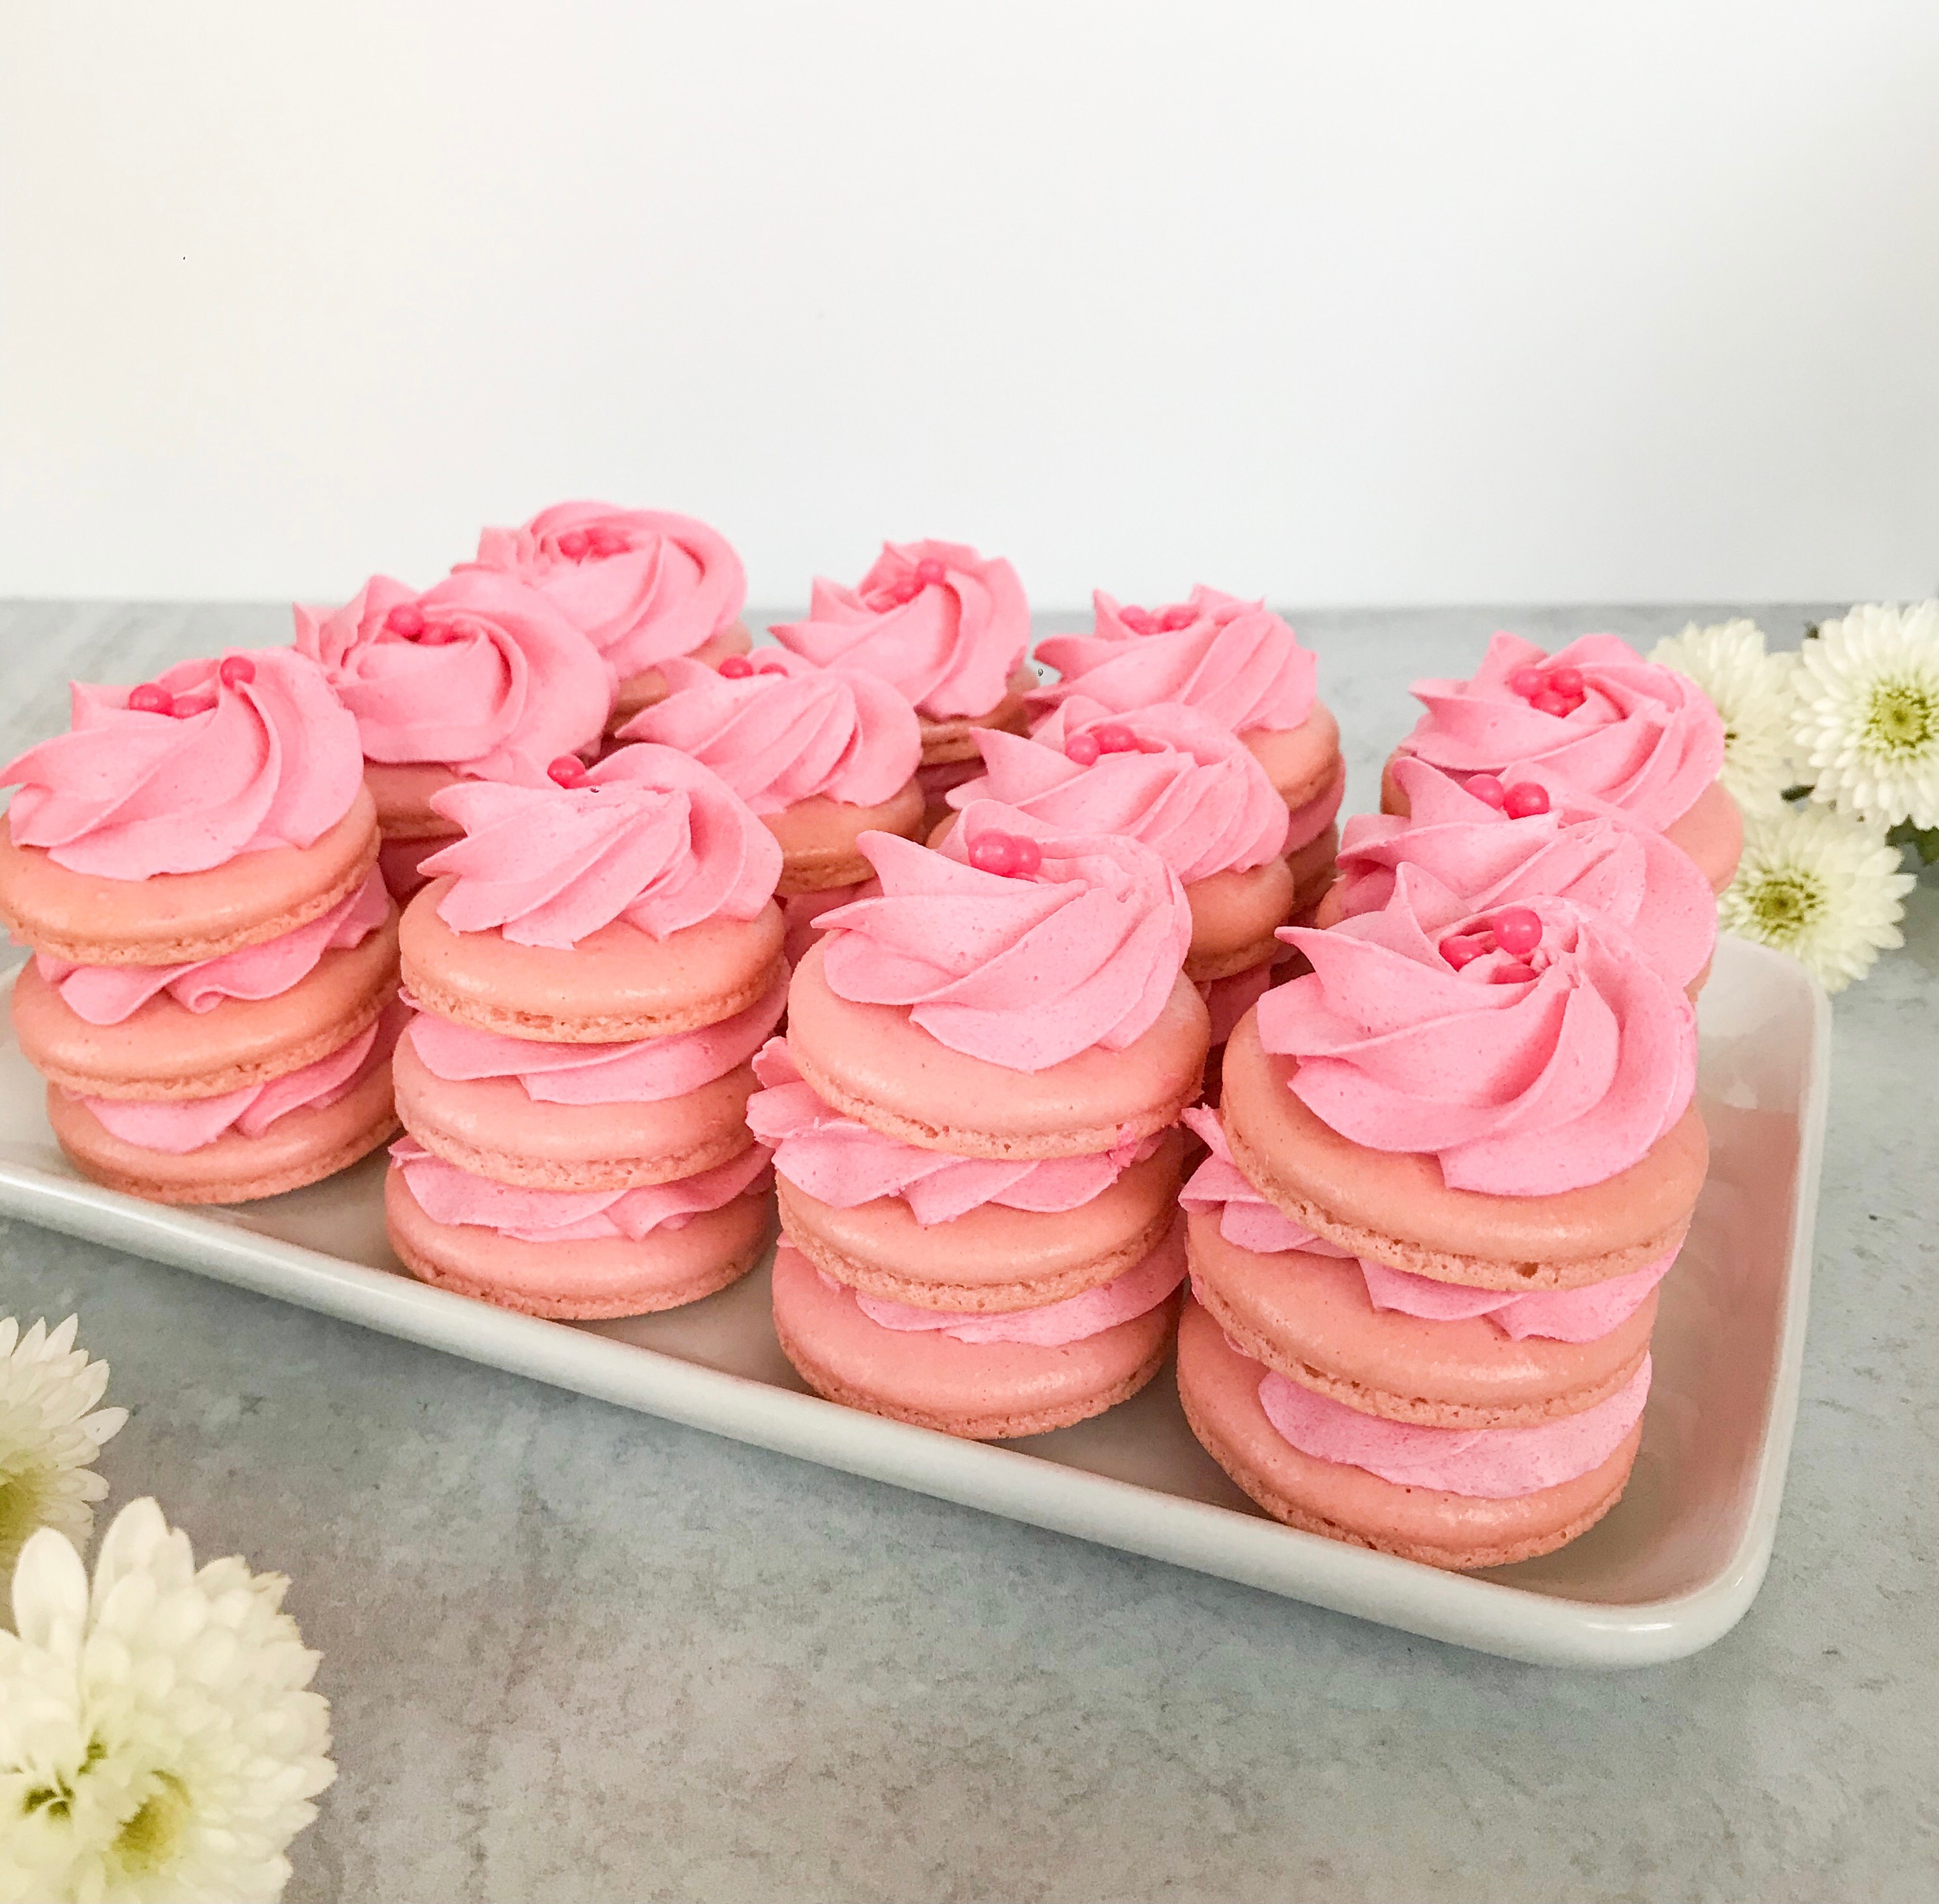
(1671, 1569)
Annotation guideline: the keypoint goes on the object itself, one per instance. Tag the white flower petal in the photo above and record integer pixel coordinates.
(1750, 690)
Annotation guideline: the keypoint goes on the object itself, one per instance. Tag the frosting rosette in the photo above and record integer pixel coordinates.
(643, 585)
(943, 624)
(479, 673)
(648, 836)
(1628, 731)
(1168, 776)
(843, 1162)
(1576, 848)
(786, 731)
(1236, 661)
(1021, 970)
(238, 754)
(1531, 1051)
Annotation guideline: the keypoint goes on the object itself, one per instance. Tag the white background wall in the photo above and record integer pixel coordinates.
(1345, 303)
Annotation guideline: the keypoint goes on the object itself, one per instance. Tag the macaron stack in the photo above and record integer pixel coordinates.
(1242, 666)
(823, 755)
(592, 965)
(1595, 716)
(946, 626)
(1172, 778)
(1451, 1165)
(480, 677)
(972, 1115)
(211, 997)
(644, 586)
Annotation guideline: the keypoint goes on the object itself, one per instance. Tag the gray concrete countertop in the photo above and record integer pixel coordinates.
(574, 1653)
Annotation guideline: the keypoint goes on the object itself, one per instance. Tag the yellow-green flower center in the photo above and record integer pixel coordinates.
(24, 1494)
(1785, 904)
(150, 1839)
(1901, 719)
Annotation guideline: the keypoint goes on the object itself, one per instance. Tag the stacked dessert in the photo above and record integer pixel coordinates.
(1596, 717)
(823, 755)
(592, 965)
(1452, 1162)
(1241, 665)
(972, 1113)
(1173, 779)
(946, 626)
(480, 677)
(644, 586)
(211, 998)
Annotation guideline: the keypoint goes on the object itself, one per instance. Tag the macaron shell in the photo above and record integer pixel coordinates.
(1218, 1388)
(616, 985)
(1311, 1318)
(981, 1391)
(990, 1258)
(1313, 870)
(402, 791)
(303, 1147)
(178, 918)
(954, 738)
(1234, 915)
(163, 1052)
(649, 687)
(872, 1062)
(490, 1126)
(1302, 763)
(580, 1281)
(817, 838)
(1393, 1206)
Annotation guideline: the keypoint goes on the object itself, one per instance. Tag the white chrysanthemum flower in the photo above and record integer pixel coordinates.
(1821, 887)
(48, 1439)
(157, 1740)
(1866, 714)
(1751, 691)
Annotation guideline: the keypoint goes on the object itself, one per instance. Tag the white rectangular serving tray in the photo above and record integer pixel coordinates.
(1672, 1569)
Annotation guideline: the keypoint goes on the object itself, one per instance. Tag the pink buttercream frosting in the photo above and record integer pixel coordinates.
(449, 1195)
(648, 1070)
(1484, 1463)
(1020, 972)
(945, 624)
(1641, 736)
(1246, 1219)
(1138, 1291)
(644, 585)
(1582, 849)
(479, 673)
(1525, 1075)
(1236, 661)
(187, 1124)
(105, 994)
(842, 1162)
(257, 753)
(1189, 790)
(788, 731)
(647, 836)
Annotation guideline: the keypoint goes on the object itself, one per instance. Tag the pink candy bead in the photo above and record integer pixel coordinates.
(1528, 682)
(1138, 620)
(929, 572)
(1028, 854)
(1523, 799)
(1517, 929)
(994, 852)
(1549, 701)
(1083, 748)
(183, 705)
(236, 671)
(574, 544)
(148, 698)
(1114, 737)
(568, 770)
(1567, 681)
(407, 619)
(1459, 950)
(1487, 789)
(1174, 618)
(1511, 975)
(736, 667)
